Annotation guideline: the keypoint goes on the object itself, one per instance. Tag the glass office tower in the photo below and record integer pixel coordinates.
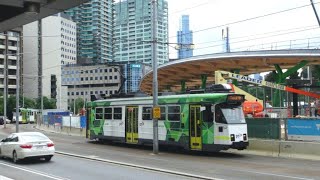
(94, 30)
(185, 39)
(133, 31)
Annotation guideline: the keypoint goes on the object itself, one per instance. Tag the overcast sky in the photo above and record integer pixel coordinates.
(294, 28)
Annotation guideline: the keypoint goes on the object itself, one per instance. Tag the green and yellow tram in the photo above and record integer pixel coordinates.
(202, 122)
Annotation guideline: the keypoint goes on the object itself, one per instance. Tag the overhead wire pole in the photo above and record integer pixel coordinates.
(5, 82)
(18, 87)
(155, 74)
(315, 11)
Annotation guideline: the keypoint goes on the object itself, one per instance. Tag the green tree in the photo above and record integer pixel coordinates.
(316, 72)
(27, 102)
(294, 75)
(79, 103)
(47, 103)
(271, 76)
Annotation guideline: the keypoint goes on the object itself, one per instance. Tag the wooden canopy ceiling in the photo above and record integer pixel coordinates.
(171, 75)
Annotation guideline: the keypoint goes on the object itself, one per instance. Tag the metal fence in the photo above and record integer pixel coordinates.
(62, 120)
(296, 129)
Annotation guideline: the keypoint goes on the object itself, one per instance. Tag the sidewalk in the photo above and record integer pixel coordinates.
(62, 130)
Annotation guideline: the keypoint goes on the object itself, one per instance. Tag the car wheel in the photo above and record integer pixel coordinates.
(47, 158)
(15, 157)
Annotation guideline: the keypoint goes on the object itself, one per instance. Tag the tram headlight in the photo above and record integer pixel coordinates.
(232, 137)
(244, 137)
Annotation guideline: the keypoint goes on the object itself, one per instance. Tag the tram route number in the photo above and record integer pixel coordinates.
(156, 113)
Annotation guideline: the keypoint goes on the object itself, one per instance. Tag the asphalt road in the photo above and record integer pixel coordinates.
(65, 167)
(224, 165)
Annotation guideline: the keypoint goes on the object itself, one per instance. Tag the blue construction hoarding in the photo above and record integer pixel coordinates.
(304, 129)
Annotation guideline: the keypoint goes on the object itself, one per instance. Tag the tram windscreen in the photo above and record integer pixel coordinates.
(230, 115)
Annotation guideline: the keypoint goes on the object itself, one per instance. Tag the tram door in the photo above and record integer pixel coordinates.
(132, 124)
(195, 127)
(88, 123)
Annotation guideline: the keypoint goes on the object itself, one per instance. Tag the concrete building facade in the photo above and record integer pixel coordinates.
(86, 80)
(133, 31)
(57, 38)
(10, 55)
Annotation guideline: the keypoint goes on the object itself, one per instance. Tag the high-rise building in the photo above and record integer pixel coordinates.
(184, 38)
(48, 44)
(226, 40)
(133, 31)
(95, 30)
(10, 55)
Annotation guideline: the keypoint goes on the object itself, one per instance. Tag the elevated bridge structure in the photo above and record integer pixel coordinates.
(15, 13)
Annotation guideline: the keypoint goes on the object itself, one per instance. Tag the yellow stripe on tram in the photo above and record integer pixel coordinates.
(222, 138)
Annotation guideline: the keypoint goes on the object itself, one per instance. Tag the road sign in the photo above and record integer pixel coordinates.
(156, 113)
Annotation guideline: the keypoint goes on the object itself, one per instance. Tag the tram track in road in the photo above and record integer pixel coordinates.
(152, 169)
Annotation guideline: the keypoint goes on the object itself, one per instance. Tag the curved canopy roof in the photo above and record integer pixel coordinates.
(171, 75)
(13, 13)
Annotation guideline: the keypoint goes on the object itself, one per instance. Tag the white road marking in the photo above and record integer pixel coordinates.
(34, 172)
(4, 178)
(279, 175)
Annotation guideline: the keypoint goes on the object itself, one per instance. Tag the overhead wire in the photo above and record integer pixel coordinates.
(248, 40)
(247, 19)
(264, 44)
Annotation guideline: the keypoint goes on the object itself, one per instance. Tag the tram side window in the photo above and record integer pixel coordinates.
(108, 113)
(117, 113)
(163, 113)
(207, 115)
(146, 113)
(174, 113)
(99, 113)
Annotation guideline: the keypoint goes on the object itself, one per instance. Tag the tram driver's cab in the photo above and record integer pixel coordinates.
(230, 125)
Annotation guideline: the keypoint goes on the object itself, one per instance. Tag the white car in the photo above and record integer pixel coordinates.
(34, 145)
(8, 121)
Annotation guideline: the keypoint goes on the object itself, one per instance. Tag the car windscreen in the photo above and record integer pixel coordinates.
(33, 138)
